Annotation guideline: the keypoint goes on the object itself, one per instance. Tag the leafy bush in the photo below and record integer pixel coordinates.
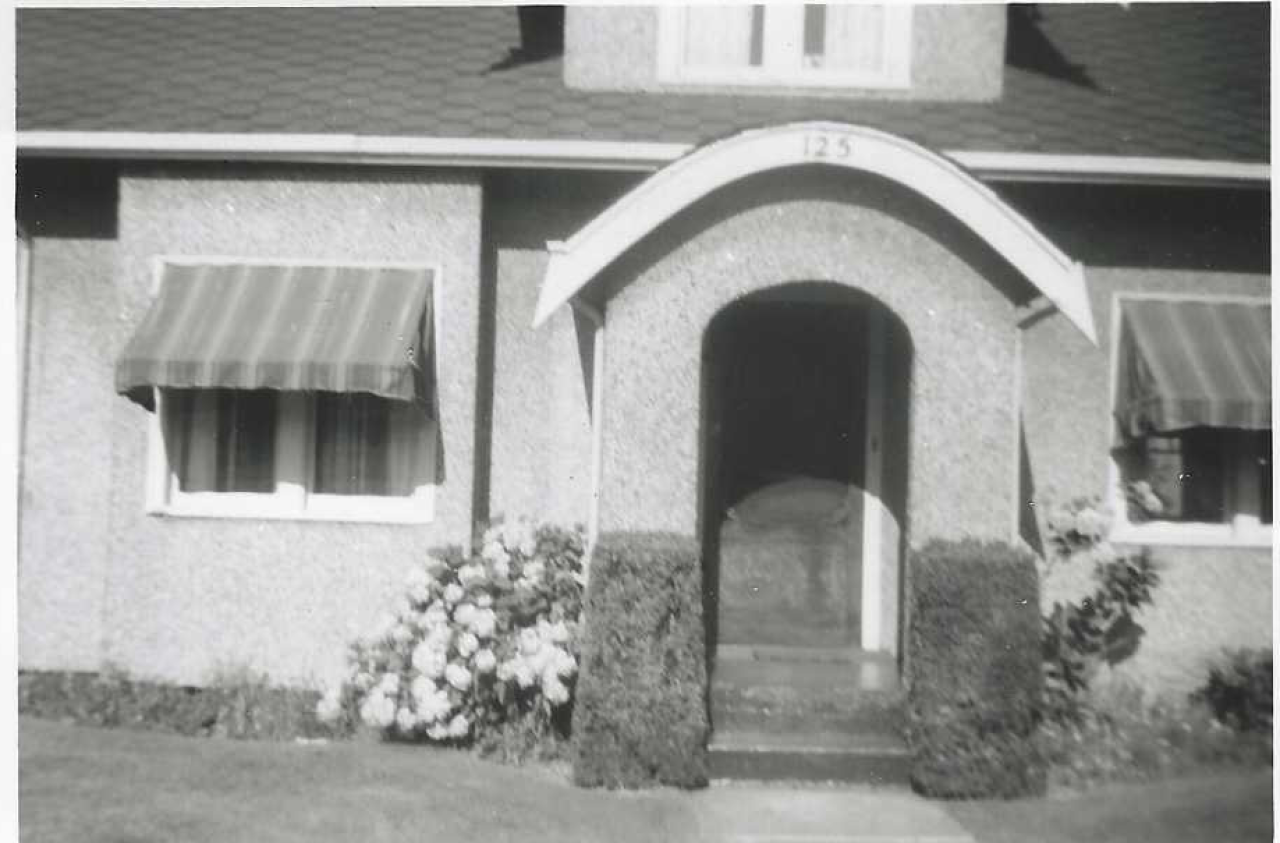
(236, 704)
(641, 716)
(974, 672)
(1239, 691)
(1123, 737)
(1080, 637)
(481, 649)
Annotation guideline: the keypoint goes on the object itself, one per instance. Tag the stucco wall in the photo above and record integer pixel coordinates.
(1209, 597)
(957, 53)
(63, 550)
(186, 595)
(541, 449)
(812, 224)
(67, 210)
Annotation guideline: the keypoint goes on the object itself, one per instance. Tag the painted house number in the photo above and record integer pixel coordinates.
(827, 146)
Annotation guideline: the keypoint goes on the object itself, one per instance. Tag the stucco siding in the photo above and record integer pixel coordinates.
(1209, 598)
(541, 465)
(957, 53)
(63, 552)
(801, 225)
(187, 595)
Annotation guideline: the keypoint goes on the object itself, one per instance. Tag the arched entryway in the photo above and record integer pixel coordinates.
(804, 420)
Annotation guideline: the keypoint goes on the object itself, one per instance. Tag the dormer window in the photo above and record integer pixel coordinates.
(847, 46)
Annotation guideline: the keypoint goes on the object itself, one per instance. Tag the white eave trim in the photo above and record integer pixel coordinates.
(575, 262)
(588, 155)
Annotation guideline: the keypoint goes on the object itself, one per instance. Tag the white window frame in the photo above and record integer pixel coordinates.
(1242, 531)
(783, 64)
(292, 499)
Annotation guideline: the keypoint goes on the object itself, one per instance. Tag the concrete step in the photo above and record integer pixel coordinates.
(886, 719)
(813, 756)
(817, 714)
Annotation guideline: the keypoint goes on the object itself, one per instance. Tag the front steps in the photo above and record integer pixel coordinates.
(810, 714)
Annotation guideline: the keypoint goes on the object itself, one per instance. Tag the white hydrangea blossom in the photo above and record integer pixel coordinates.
(432, 703)
(467, 644)
(378, 709)
(329, 706)
(453, 593)
(458, 676)
(429, 660)
(485, 661)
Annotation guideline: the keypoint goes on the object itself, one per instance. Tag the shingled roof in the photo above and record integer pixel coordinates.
(1178, 80)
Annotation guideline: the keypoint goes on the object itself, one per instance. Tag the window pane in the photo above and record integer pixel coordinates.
(221, 440)
(368, 446)
(1207, 475)
(723, 36)
(854, 38)
(815, 35)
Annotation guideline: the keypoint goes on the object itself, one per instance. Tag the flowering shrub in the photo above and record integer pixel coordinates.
(1079, 637)
(476, 644)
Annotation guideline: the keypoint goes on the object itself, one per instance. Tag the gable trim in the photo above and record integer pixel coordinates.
(577, 261)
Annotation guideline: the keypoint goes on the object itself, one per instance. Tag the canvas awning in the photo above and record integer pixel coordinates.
(1193, 363)
(262, 326)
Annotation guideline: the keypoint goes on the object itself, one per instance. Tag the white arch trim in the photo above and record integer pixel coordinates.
(575, 262)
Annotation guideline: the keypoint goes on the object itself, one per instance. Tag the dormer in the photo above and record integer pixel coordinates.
(862, 50)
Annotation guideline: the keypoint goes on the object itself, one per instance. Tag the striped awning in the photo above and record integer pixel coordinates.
(263, 326)
(1193, 363)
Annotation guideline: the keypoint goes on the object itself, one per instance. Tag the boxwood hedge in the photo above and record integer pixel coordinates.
(974, 671)
(640, 717)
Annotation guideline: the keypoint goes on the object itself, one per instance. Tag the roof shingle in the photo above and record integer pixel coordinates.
(1176, 80)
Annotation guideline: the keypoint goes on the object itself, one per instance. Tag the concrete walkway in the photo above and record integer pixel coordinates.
(763, 813)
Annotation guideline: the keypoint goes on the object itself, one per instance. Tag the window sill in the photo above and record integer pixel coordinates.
(410, 513)
(1197, 535)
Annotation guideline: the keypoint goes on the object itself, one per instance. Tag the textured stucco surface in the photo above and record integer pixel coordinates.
(66, 453)
(541, 446)
(186, 595)
(811, 225)
(957, 53)
(1209, 599)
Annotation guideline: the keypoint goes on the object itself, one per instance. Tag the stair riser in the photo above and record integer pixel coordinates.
(867, 721)
(877, 769)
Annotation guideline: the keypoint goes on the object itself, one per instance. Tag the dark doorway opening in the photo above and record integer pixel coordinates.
(785, 411)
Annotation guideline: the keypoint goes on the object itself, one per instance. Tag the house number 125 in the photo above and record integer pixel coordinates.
(827, 146)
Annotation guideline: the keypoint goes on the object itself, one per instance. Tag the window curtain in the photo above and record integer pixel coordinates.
(225, 441)
(718, 36)
(369, 446)
(854, 37)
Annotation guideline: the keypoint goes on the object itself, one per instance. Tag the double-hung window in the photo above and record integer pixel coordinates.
(837, 45)
(1192, 448)
(288, 391)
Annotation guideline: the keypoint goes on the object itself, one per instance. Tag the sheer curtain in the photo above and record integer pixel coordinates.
(366, 445)
(225, 439)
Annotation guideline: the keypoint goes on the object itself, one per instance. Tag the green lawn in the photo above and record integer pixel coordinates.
(120, 786)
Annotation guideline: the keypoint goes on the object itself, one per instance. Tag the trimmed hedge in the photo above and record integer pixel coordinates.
(975, 679)
(240, 706)
(640, 717)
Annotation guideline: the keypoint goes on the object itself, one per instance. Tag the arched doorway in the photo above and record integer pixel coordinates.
(805, 465)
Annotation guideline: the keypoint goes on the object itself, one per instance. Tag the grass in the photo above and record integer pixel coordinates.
(127, 786)
(1225, 808)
